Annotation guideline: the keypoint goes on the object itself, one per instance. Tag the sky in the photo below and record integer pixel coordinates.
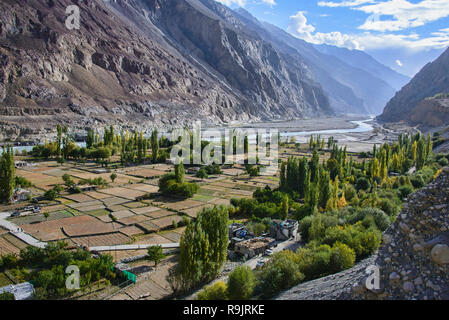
(402, 34)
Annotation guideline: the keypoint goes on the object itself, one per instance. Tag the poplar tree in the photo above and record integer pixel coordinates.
(154, 145)
(7, 174)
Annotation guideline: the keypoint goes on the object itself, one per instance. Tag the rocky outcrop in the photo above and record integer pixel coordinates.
(431, 113)
(431, 80)
(140, 64)
(413, 259)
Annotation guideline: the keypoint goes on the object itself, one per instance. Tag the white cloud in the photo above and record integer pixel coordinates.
(401, 14)
(299, 28)
(399, 63)
(344, 3)
(242, 3)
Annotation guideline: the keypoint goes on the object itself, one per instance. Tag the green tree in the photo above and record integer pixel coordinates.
(203, 246)
(283, 210)
(7, 174)
(216, 291)
(155, 254)
(179, 172)
(241, 283)
(154, 145)
(113, 177)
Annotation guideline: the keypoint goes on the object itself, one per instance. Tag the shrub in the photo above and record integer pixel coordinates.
(217, 291)
(342, 257)
(417, 181)
(241, 283)
(389, 207)
(363, 184)
(280, 273)
(443, 162)
(405, 191)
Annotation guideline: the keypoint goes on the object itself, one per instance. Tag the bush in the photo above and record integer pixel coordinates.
(389, 207)
(417, 181)
(443, 162)
(217, 291)
(280, 273)
(241, 283)
(363, 184)
(405, 191)
(342, 257)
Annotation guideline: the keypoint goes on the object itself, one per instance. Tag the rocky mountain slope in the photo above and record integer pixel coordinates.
(431, 80)
(413, 259)
(141, 63)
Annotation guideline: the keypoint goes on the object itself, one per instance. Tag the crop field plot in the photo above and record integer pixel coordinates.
(171, 236)
(180, 205)
(219, 202)
(91, 227)
(125, 193)
(80, 197)
(96, 195)
(113, 201)
(203, 198)
(148, 226)
(145, 173)
(54, 208)
(147, 188)
(166, 222)
(36, 218)
(7, 247)
(159, 214)
(43, 229)
(85, 204)
(135, 205)
(56, 172)
(117, 208)
(40, 180)
(98, 213)
(193, 212)
(131, 231)
(102, 240)
(122, 214)
(3, 231)
(144, 210)
(133, 219)
(86, 209)
(152, 239)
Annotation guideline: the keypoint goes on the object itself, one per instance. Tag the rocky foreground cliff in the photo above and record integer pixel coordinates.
(413, 259)
(141, 63)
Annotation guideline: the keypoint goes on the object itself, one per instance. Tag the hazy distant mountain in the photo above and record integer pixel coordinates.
(433, 79)
(352, 88)
(364, 61)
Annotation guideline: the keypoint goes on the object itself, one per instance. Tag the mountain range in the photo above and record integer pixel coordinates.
(141, 63)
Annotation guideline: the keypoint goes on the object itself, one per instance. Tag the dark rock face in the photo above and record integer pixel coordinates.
(140, 64)
(431, 80)
(413, 259)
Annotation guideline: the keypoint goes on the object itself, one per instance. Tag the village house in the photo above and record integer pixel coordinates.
(253, 247)
(283, 230)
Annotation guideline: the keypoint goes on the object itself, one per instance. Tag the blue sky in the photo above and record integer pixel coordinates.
(402, 34)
